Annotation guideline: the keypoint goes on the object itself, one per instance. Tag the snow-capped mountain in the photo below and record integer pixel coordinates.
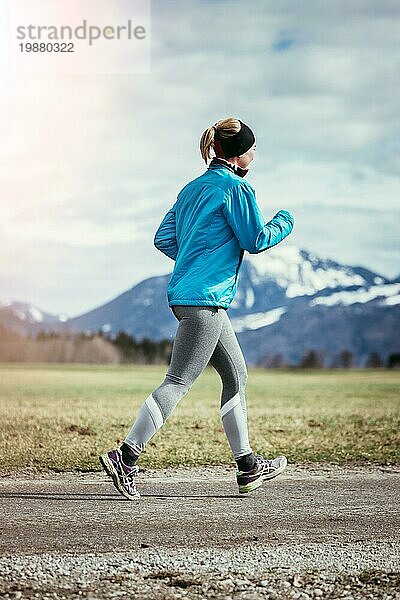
(301, 273)
(25, 318)
(288, 300)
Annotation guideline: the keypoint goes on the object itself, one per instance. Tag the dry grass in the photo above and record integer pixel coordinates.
(57, 416)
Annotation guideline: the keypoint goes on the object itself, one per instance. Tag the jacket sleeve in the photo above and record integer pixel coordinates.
(244, 216)
(165, 236)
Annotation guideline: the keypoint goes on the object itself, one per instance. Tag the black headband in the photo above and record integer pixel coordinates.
(234, 145)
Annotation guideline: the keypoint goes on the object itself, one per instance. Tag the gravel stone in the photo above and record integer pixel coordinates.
(347, 564)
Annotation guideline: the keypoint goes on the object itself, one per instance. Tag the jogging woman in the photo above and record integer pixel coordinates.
(214, 220)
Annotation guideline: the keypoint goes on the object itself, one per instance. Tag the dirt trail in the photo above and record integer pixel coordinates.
(191, 522)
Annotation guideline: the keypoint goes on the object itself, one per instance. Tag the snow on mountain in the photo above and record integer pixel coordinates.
(391, 301)
(391, 293)
(257, 320)
(24, 311)
(302, 273)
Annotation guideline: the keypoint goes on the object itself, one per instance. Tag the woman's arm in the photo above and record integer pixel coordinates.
(248, 224)
(165, 236)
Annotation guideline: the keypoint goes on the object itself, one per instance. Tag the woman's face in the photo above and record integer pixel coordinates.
(245, 159)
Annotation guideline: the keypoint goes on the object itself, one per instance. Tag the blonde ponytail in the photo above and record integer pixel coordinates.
(226, 128)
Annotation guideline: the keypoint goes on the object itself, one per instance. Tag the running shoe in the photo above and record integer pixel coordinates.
(264, 469)
(122, 475)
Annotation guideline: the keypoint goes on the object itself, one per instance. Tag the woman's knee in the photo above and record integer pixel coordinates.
(178, 381)
(169, 393)
(234, 380)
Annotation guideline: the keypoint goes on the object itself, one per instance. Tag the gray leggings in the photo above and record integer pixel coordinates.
(204, 335)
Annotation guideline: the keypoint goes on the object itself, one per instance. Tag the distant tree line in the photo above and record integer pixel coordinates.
(316, 359)
(122, 348)
(84, 347)
(56, 348)
(146, 351)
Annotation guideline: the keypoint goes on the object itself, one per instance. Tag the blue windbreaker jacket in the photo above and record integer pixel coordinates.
(213, 221)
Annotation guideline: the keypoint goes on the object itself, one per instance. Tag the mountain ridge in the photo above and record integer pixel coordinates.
(282, 293)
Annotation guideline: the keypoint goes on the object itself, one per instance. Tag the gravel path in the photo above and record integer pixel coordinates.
(317, 531)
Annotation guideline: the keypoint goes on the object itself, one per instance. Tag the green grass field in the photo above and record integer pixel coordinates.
(60, 417)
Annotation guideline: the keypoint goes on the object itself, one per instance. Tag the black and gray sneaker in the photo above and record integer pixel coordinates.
(122, 475)
(264, 469)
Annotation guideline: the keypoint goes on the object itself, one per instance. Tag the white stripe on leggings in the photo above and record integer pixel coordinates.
(228, 406)
(155, 411)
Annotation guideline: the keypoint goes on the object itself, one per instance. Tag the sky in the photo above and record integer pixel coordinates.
(91, 162)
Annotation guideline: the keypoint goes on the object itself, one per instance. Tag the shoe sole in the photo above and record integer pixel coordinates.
(111, 472)
(250, 487)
